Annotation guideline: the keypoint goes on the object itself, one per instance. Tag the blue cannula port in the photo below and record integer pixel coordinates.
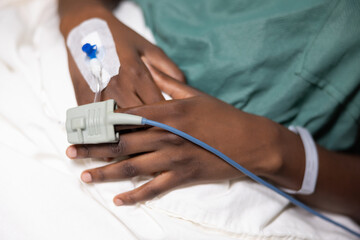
(90, 50)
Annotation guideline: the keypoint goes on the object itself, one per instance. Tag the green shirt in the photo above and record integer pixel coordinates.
(295, 62)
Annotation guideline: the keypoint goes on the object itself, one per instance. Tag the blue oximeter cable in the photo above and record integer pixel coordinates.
(245, 171)
(80, 123)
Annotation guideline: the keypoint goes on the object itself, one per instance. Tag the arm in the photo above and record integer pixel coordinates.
(338, 182)
(134, 85)
(262, 146)
(72, 13)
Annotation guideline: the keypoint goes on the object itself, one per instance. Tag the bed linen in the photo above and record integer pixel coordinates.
(41, 195)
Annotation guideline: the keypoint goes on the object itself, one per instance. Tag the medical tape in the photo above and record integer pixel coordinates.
(94, 31)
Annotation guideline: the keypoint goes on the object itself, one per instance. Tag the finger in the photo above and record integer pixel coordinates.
(161, 61)
(144, 165)
(160, 184)
(135, 79)
(146, 88)
(167, 84)
(161, 112)
(108, 159)
(129, 143)
(123, 94)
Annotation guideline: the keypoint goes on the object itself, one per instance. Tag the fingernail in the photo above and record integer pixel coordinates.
(118, 202)
(71, 152)
(86, 177)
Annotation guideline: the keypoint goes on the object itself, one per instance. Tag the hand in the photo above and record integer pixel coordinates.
(133, 86)
(250, 140)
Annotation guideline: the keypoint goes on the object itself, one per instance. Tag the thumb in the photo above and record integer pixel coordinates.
(169, 85)
(157, 58)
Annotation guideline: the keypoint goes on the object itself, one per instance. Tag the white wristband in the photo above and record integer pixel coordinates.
(311, 162)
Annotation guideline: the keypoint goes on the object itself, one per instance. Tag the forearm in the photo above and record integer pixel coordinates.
(66, 6)
(72, 13)
(133, 84)
(338, 182)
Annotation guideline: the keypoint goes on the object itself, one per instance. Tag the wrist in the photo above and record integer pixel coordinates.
(267, 159)
(81, 12)
(290, 153)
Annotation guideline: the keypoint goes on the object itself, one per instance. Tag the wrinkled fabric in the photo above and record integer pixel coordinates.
(295, 62)
(42, 196)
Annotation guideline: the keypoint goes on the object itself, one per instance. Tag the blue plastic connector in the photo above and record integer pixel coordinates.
(90, 50)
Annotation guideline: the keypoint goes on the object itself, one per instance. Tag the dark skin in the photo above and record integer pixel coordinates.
(260, 145)
(134, 80)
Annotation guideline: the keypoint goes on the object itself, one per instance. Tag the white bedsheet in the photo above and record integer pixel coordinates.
(41, 196)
